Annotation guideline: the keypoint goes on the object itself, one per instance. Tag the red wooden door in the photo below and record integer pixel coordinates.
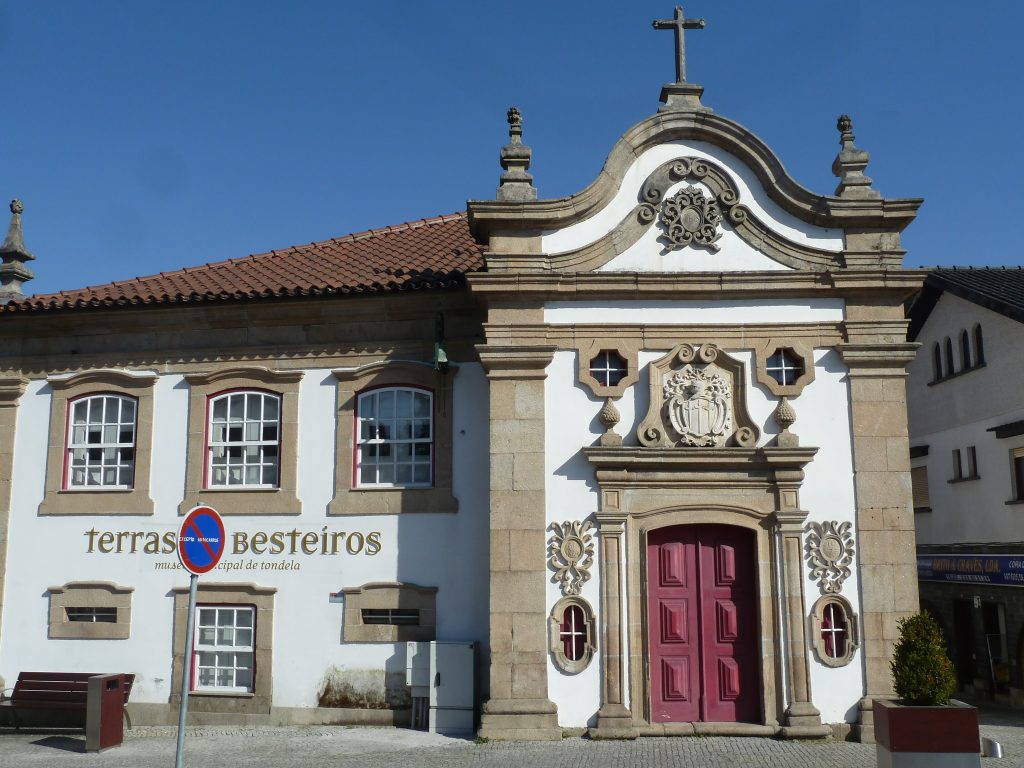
(703, 626)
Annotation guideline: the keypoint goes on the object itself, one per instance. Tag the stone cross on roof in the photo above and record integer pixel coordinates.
(678, 24)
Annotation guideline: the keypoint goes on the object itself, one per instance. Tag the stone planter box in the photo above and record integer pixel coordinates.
(926, 737)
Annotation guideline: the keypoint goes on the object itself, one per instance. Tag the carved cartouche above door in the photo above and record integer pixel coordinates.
(697, 399)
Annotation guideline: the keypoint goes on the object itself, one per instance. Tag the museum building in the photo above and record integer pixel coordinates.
(645, 446)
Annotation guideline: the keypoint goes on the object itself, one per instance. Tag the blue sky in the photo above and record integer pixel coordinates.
(145, 136)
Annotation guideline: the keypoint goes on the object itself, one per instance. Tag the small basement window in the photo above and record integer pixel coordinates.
(108, 615)
(392, 617)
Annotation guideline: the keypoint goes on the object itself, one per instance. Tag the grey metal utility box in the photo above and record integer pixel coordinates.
(440, 676)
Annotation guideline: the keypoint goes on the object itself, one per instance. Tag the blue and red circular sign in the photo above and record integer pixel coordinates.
(201, 540)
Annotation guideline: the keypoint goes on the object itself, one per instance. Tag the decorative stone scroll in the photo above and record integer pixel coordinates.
(571, 554)
(829, 551)
(689, 217)
(697, 399)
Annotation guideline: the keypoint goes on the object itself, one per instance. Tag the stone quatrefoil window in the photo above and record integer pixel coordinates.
(835, 634)
(571, 630)
(608, 368)
(785, 367)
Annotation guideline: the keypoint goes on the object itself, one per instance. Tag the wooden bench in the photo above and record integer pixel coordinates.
(55, 691)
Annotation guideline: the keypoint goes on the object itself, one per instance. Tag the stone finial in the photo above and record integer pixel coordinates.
(609, 416)
(849, 165)
(13, 255)
(785, 416)
(516, 182)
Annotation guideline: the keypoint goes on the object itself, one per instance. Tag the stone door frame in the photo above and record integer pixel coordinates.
(643, 489)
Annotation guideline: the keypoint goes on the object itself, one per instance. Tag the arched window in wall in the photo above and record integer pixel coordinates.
(979, 347)
(950, 370)
(936, 361)
(965, 350)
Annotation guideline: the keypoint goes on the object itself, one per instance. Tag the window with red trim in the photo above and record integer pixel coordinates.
(101, 442)
(244, 440)
(835, 631)
(225, 648)
(395, 438)
(573, 633)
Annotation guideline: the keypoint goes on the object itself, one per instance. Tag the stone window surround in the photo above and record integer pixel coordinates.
(226, 595)
(90, 594)
(389, 595)
(352, 500)
(227, 500)
(801, 351)
(59, 500)
(818, 642)
(624, 348)
(555, 628)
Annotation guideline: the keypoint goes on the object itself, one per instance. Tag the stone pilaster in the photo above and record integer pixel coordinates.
(518, 707)
(803, 720)
(614, 720)
(885, 520)
(11, 390)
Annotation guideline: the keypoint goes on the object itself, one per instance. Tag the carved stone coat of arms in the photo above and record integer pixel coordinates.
(697, 400)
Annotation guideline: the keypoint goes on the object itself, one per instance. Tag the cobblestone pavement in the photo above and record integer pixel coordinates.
(320, 746)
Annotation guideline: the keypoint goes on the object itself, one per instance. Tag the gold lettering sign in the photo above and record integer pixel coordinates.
(282, 543)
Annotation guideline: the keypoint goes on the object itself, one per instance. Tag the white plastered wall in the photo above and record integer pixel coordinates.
(448, 551)
(823, 420)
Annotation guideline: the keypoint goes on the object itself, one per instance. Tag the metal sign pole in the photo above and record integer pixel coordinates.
(186, 672)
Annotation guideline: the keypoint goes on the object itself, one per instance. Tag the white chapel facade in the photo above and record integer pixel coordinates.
(645, 446)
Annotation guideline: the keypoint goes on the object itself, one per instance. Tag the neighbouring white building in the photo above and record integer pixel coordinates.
(966, 413)
(646, 446)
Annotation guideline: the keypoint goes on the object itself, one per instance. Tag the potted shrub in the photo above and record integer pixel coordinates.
(924, 727)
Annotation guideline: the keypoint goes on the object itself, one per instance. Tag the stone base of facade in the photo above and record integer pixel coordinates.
(803, 721)
(520, 720)
(165, 714)
(864, 729)
(614, 721)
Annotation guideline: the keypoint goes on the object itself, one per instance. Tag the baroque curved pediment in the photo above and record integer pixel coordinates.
(693, 216)
(697, 400)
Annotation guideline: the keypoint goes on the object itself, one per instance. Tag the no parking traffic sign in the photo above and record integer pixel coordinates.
(201, 540)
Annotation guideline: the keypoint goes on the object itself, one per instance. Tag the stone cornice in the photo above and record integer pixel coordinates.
(487, 217)
(877, 359)
(673, 466)
(515, 362)
(253, 372)
(694, 285)
(101, 376)
(11, 390)
(110, 586)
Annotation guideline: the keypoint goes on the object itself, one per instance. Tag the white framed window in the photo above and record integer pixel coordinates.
(835, 636)
(244, 440)
(395, 444)
(572, 634)
(224, 648)
(101, 442)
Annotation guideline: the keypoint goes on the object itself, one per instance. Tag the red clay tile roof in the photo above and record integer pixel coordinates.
(427, 254)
